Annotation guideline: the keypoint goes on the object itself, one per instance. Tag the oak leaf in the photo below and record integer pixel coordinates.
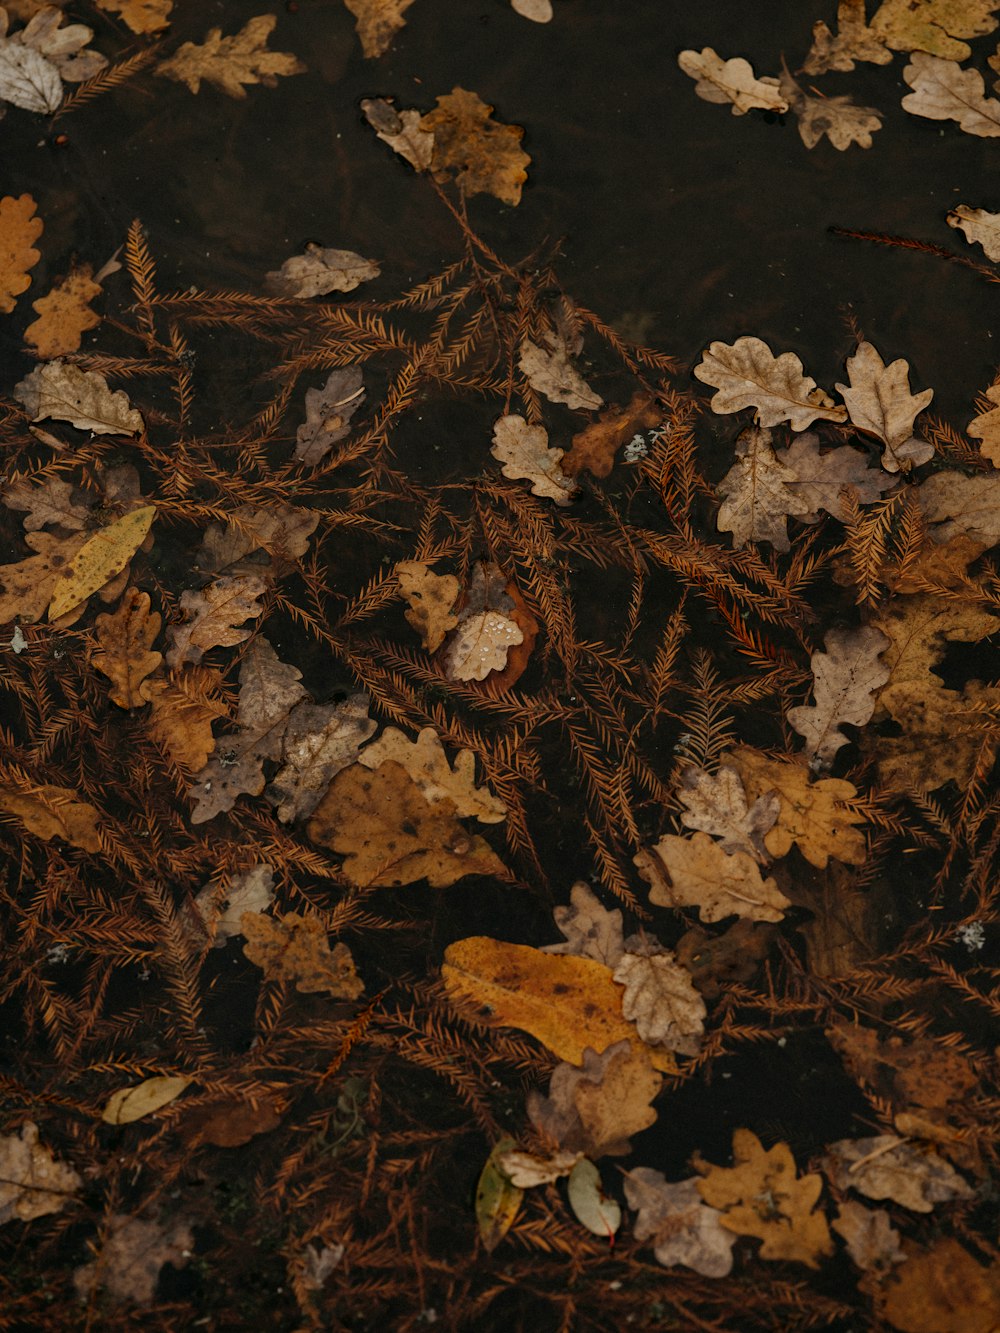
(841, 120)
(319, 740)
(319, 271)
(568, 1003)
(215, 617)
(758, 493)
(910, 1072)
(524, 452)
(986, 426)
(132, 1253)
(295, 948)
(855, 40)
(732, 81)
(549, 370)
(845, 679)
(328, 414)
(427, 764)
(679, 1225)
(968, 505)
(816, 816)
(887, 1167)
(142, 1099)
(125, 653)
(942, 1290)
(231, 62)
(482, 155)
(391, 834)
(746, 373)
(696, 872)
(64, 392)
(49, 811)
(871, 1239)
(732, 957)
(32, 1182)
(879, 401)
(526, 1169)
(661, 1001)
(64, 315)
(943, 90)
(431, 599)
(762, 1196)
(229, 1122)
(479, 644)
(595, 446)
(820, 478)
(591, 930)
(596, 1107)
(281, 530)
(980, 227)
(934, 26)
(377, 22)
(183, 706)
(221, 907)
(103, 555)
(64, 47)
(403, 131)
(52, 502)
(19, 229)
(141, 16)
(716, 803)
(26, 586)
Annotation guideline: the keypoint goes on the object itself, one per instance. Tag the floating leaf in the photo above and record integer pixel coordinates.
(319, 741)
(596, 1108)
(19, 229)
(64, 392)
(550, 371)
(328, 414)
(482, 155)
(431, 598)
(748, 374)
(215, 617)
(820, 478)
(696, 872)
(100, 558)
(732, 81)
(125, 655)
(141, 16)
(49, 811)
(980, 228)
(594, 448)
(497, 1199)
(427, 764)
(887, 1167)
(142, 1099)
(27, 79)
(661, 1001)
(524, 452)
(880, 403)
(942, 1290)
(480, 645)
(591, 930)
(64, 315)
(319, 272)
(872, 1241)
(403, 131)
(716, 803)
(943, 90)
(678, 1223)
(591, 1206)
(294, 948)
(854, 41)
(231, 62)
(934, 25)
(845, 679)
(377, 22)
(32, 1183)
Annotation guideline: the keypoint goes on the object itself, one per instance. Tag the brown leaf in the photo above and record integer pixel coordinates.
(887, 1167)
(184, 704)
(319, 272)
(26, 587)
(215, 617)
(141, 16)
(231, 62)
(19, 229)
(64, 315)
(680, 1226)
(943, 90)
(661, 1001)
(403, 131)
(125, 655)
(915, 1071)
(717, 804)
(596, 1107)
(319, 741)
(221, 907)
(732, 957)
(872, 1241)
(759, 493)
(391, 834)
(482, 155)
(820, 478)
(377, 22)
(52, 501)
(879, 401)
(479, 645)
(591, 930)
(854, 41)
(32, 1182)
(524, 452)
(942, 1290)
(762, 1196)
(230, 1122)
(841, 120)
(731, 81)
(427, 764)
(431, 599)
(549, 370)
(282, 530)
(328, 414)
(64, 392)
(689, 872)
(845, 678)
(748, 374)
(51, 812)
(986, 426)
(595, 446)
(130, 1258)
(294, 948)
(980, 228)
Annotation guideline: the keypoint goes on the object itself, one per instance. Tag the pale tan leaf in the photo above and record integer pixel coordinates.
(64, 392)
(696, 872)
(538, 11)
(403, 131)
(845, 678)
(595, 1107)
(820, 478)
(717, 804)
(854, 41)
(63, 46)
(32, 1182)
(591, 930)
(943, 90)
(282, 530)
(524, 452)
(231, 62)
(221, 908)
(377, 22)
(841, 120)
(980, 227)
(431, 598)
(887, 1167)
(132, 1253)
(732, 81)
(527, 1169)
(871, 1239)
(550, 371)
(986, 426)
(661, 1001)
(680, 1226)
(746, 373)
(52, 501)
(142, 1099)
(27, 79)
(427, 764)
(879, 401)
(758, 493)
(480, 645)
(962, 505)
(328, 414)
(319, 741)
(319, 271)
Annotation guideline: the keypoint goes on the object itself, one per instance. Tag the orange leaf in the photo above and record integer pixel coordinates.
(19, 229)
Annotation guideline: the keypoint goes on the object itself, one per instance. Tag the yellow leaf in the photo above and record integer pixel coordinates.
(497, 1200)
(64, 315)
(128, 1104)
(101, 558)
(19, 229)
(51, 812)
(568, 1003)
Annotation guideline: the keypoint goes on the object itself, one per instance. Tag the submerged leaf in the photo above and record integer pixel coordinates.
(64, 392)
(845, 679)
(879, 401)
(231, 62)
(680, 1226)
(482, 155)
(319, 272)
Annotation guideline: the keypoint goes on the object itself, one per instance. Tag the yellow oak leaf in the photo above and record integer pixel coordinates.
(125, 655)
(481, 154)
(51, 812)
(696, 872)
(100, 558)
(64, 315)
(19, 229)
(231, 62)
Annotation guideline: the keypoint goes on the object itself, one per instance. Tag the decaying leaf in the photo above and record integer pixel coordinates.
(595, 446)
(403, 131)
(125, 654)
(934, 25)
(141, 16)
(942, 1290)
(549, 370)
(377, 22)
(497, 1199)
(64, 392)
(758, 493)
(845, 679)
(568, 1003)
(215, 617)
(391, 834)
(729, 958)
(591, 930)
(480, 644)
(480, 154)
(231, 62)
(526, 1169)
(319, 271)
(221, 908)
(596, 1107)
(696, 872)
(986, 426)
(64, 315)
(142, 1099)
(956, 505)
(820, 478)
(64, 47)
(679, 1225)
(592, 1208)
(524, 452)
(27, 78)
(19, 229)
(746, 373)
(431, 598)
(980, 227)
(427, 764)
(26, 586)
(280, 530)
(661, 1001)
(319, 740)
(731, 81)
(32, 1182)
(230, 1122)
(328, 414)
(130, 1258)
(871, 1239)
(841, 120)
(717, 804)
(52, 502)
(762, 1196)
(854, 41)
(911, 1072)
(184, 704)
(887, 1167)
(879, 401)
(103, 555)
(943, 90)
(295, 948)
(49, 811)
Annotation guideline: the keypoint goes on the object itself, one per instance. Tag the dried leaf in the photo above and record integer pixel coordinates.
(131, 1256)
(962, 505)
(63, 46)
(762, 1196)
(184, 704)
(215, 617)
(880, 403)
(820, 478)
(52, 501)
(64, 392)
(403, 131)
(480, 645)
(732, 957)
(841, 120)
(549, 371)
(758, 494)
(103, 555)
(27, 79)
(431, 598)
(717, 804)
(19, 229)
(980, 227)
(319, 741)
(328, 413)
(944, 91)
(591, 930)
(845, 679)
(282, 530)
(377, 22)
(597, 1107)
(497, 1200)
(567, 1003)
(916, 1071)
(294, 948)
(592, 1208)
(872, 1241)
(731, 81)
(221, 908)
(482, 155)
(26, 587)
(230, 1123)
(854, 41)
(231, 62)
(391, 834)
(942, 1290)
(595, 446)
(696, 872)
(49, 811)
(319, 272)
(32, 1182)
(524, 452)
(142, 1099)
(748, 374)
(64, 315)
(986, 426)
(538, 11)
(125, 655)
(141, 16)
(887, 1167)
(427, 764)
(661, 1001)
(527, 1169)
(934, 25)
(681, 1227)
